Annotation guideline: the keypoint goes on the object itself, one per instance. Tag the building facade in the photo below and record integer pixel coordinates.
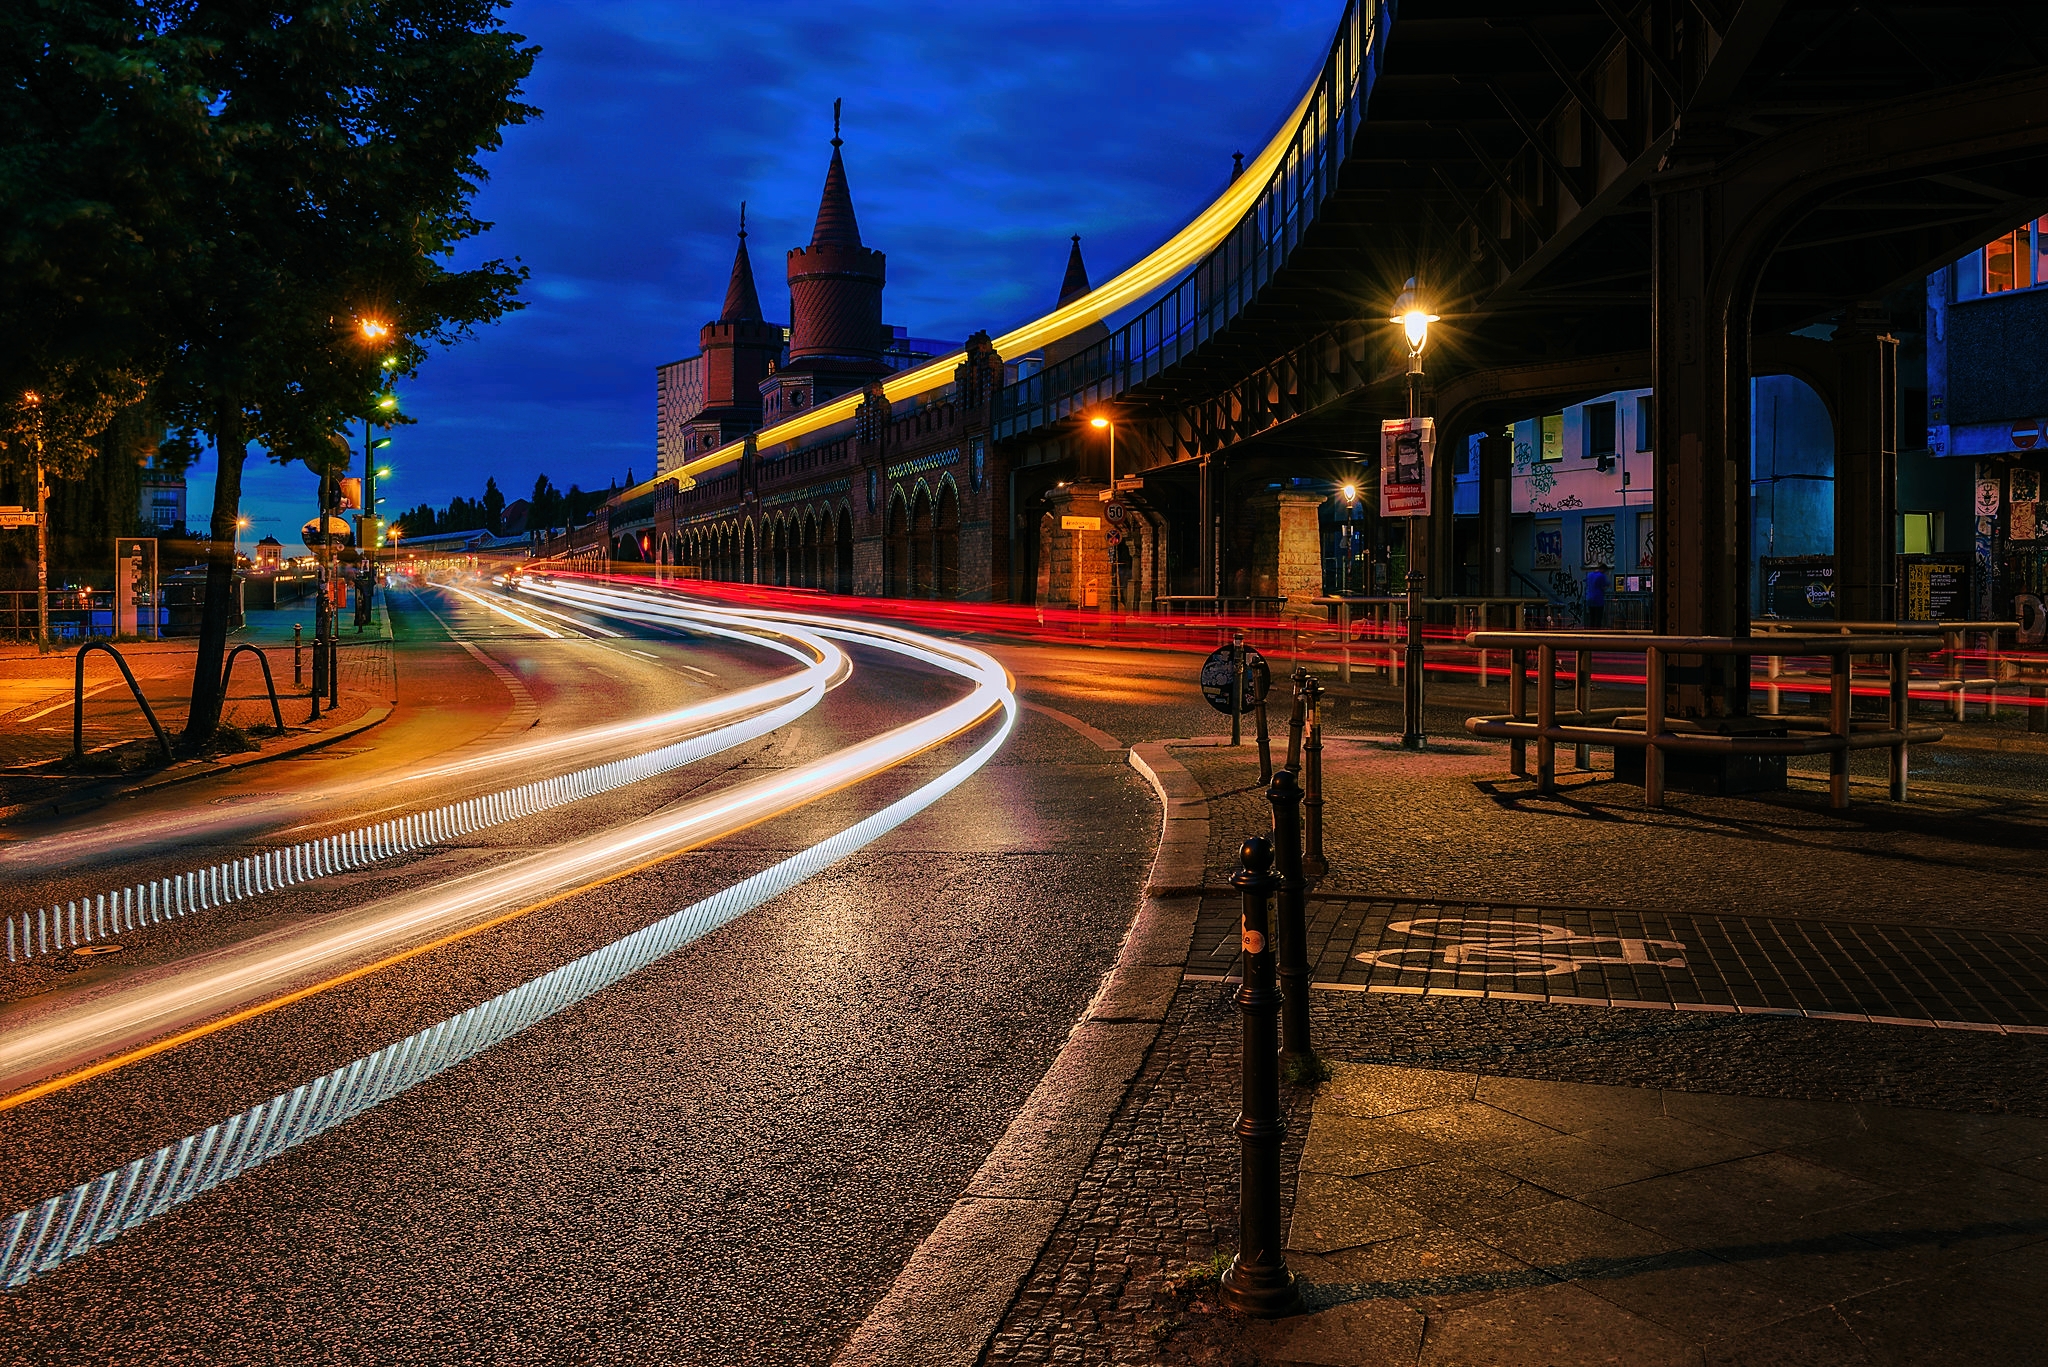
(1977, 497)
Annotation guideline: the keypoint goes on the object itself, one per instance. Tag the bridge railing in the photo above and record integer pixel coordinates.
(1211, 296)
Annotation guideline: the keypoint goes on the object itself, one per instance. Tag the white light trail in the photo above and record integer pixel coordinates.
(69, 1225)
(501, 610)
(186, 825)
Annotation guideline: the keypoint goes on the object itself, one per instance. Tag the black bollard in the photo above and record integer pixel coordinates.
(1265, 744)
(1296, 1055)
(1257, 1281)
(1294, 723)
(1312, 862)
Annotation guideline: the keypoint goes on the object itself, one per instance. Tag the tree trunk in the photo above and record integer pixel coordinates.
(232, 448)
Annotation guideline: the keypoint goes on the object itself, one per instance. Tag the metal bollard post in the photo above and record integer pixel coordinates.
(1265, 740)
(1257, 1281)
(1296, 1055)
(298, 676)
(1294, 724)
(1312, 862)
(319, 667)
(1237, 688)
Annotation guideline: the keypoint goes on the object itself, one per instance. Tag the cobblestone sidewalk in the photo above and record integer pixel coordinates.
(1120, 1280)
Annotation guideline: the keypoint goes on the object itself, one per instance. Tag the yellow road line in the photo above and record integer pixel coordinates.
(198, 1032)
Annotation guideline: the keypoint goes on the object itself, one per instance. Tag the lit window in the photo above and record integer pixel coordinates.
(2009, 260)
(1553, 438)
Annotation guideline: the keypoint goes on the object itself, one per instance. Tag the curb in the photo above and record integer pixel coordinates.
(946, 1304)
(373, 717)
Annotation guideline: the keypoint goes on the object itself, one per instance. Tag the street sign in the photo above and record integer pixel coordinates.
(15, 517)
(1216, 672)
(1080, 524)
(1114, 536)
(1114, 512)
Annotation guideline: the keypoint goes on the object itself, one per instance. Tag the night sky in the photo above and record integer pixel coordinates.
(978, 138)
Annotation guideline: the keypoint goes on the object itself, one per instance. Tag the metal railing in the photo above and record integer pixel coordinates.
(1658, 734)
(1212, 296)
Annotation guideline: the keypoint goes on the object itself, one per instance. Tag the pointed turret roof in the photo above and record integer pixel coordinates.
(1076, 283)
(836, 223)
(742, 300)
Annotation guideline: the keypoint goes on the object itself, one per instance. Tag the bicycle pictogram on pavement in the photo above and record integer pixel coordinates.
(1516, 948)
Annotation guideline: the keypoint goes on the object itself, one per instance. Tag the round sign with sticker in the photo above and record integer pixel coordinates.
(1114, 512)
(1113, 536)
(1216, 671)
(1254, 942)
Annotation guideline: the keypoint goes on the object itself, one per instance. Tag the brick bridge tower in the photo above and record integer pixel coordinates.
(835, 299)
(740, 349)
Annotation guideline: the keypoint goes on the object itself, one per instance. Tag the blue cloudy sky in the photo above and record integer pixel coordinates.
(978, 137)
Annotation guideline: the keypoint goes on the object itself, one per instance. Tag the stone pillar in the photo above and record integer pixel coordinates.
(1287, 549)
(1866, 467)
(1074, 561)
(1700, 360)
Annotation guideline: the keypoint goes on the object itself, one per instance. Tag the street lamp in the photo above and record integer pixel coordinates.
(34, 401)
(1412, 312)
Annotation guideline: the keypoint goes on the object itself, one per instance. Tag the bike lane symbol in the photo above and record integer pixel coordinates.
(1517, 948)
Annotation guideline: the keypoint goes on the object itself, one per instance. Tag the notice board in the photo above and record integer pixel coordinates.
(1934, 588)
(1796, 588)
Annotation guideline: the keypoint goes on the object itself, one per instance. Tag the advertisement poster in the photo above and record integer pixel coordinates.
(1407, 455)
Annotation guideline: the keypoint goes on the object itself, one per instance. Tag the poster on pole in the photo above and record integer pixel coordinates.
(1407, 453)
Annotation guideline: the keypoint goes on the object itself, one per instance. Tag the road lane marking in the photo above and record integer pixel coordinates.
(173, 1175)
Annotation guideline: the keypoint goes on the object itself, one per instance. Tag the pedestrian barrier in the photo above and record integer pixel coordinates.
(1652, 730)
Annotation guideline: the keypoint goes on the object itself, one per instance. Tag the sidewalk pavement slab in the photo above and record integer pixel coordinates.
(1517, 1221)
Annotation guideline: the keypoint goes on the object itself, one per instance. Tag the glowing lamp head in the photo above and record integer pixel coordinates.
(387, 403)
(1098, 422)
(1414, 317)
(1351, 493)
(373, 330)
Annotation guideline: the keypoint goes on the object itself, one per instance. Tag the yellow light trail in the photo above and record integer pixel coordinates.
(185, 1001)
(1177, 254)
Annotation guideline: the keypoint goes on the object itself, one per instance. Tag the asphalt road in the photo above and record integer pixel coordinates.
(725, 1158)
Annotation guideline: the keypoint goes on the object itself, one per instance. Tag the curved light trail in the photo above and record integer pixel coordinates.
(714, 726)
(70, 1224)
(814, 657)
(1158, 268)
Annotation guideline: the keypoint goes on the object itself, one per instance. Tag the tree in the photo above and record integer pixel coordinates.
(105, 138)
(342, 145)
(494, 506)
(543, 506)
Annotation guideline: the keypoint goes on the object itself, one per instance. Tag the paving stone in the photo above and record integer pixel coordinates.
(1560, 1325)
(1568, 1164)
(1431, 1271)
